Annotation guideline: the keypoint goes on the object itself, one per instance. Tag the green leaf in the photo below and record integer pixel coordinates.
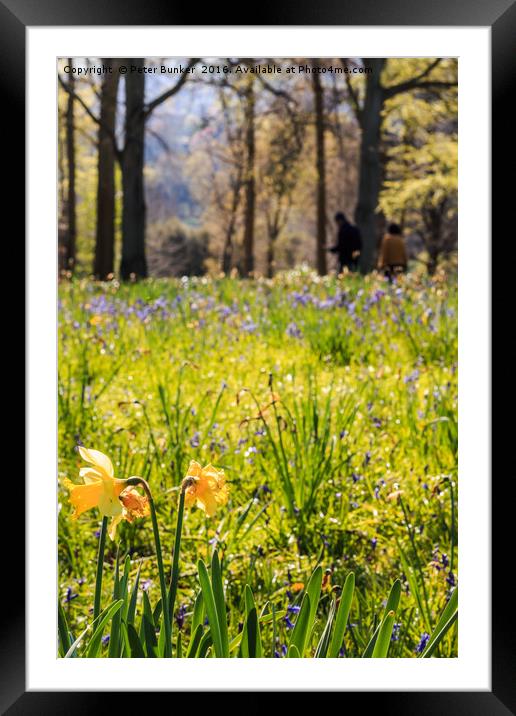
(135, 643)
(322, 646)
(383, 640)
(119, 592)
(125, 649)
(313, 590)
(392, 604)
(205, 644)
(104, 618)
(198, 612)
(195, 641)
(447, 619)
(147, 609)
(300, 630)
(62, 630)
(148, 628)
(267, 619)
(218, 593)
(414, 588)
(251, 638)
(250, 605)
(341, 619)
(151, 643)
(211, 609)
(156, 613)
(293, 652)
(131, 607)
(71, 651)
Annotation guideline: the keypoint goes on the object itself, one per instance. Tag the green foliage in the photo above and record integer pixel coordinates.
(145, 644)
(350, 470)
(420, 188)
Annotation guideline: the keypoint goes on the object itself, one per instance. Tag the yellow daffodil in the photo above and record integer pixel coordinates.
(206, 487)
(103, 490)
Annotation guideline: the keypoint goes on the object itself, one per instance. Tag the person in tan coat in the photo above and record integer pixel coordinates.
(393, 254)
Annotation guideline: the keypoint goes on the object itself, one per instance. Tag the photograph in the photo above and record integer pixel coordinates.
(257, 377)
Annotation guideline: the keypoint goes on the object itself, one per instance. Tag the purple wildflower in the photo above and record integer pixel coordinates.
(422, 643)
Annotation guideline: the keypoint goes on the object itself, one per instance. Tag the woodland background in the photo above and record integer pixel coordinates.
(186, 174)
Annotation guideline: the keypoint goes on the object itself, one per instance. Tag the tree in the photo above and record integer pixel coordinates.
(68, 231)
(215, 168)
(421, 173)
(134, 262)
(283, 141)
(105, 232)
(369, 106)
(131, 158)
(249, 179)
(321, 169)
(229, 201)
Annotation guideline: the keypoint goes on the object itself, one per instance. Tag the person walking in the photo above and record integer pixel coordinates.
(392, 259)
(348, 245)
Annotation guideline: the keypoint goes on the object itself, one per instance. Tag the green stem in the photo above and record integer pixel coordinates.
(159, 557)
(100, 565)
(177, 547)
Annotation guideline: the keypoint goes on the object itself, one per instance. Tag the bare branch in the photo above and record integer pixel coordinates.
(172, 91)
(355, 103)
(159, 139)
(277, 92)
(79, 100)
(92, 116)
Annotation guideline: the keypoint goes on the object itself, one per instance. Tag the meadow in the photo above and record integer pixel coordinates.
(331, 405)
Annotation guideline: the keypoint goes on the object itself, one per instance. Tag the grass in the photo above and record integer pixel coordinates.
(331, 404)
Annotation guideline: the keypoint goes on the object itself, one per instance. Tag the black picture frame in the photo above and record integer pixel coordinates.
(500, 16)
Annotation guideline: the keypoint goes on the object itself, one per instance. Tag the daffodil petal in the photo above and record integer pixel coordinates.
(208, 503)
(114, 524)
(84, 497)
(89, 474)
(98, 460)
(194, 469)
(189, 497)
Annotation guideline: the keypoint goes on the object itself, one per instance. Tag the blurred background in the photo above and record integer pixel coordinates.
(188, 166)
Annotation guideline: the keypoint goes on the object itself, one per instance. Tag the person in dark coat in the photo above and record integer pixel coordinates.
(349, 243)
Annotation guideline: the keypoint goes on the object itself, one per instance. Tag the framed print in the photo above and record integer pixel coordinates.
(258, 365)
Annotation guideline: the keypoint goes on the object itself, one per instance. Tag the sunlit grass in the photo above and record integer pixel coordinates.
(331, 406)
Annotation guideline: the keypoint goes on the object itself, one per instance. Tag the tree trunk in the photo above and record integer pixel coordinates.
(250, 191)
(134, 263)
(62, 229)
(227, 254)
(71, 238)
(321, 172)
(271, 248)
(370, 166)
(105, 239)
